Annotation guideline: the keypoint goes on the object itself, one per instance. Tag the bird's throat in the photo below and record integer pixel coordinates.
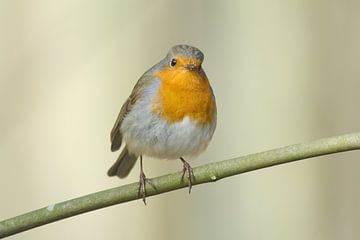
(183, 93)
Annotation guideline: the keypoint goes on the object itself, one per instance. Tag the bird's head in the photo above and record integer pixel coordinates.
(184, 57)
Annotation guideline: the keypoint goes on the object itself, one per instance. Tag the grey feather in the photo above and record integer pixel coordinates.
(141, 85)
(123, 164)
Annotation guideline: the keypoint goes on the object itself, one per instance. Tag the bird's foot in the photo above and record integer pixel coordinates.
(142, 189)
(187, 169)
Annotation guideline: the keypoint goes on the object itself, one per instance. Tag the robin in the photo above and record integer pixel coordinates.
(170, 114)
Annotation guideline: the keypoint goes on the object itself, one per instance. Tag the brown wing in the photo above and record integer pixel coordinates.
(116, 137)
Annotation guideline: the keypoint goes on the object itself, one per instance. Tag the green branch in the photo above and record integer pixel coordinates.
(203, 174)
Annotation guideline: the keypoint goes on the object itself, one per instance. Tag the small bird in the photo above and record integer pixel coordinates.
(170, 114)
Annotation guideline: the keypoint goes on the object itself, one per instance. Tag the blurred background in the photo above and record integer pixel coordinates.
(283, 72)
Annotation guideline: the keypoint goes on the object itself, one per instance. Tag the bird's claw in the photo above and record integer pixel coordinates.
(187, 169)
(142, 189)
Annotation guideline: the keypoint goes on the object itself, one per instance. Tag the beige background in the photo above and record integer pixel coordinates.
(283, 72)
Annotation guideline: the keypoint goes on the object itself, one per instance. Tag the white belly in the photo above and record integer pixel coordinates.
(147, 134)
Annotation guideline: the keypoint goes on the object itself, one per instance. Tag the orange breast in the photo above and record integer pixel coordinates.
(183, 93)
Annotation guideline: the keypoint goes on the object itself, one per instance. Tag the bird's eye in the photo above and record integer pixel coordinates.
(173, 62)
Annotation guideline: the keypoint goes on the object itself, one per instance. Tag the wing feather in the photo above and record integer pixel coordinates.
(116, 136)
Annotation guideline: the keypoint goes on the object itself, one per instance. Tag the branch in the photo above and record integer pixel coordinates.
(203, 174)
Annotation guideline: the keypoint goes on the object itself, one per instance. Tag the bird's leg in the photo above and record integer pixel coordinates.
(143, 180)
(187, 169)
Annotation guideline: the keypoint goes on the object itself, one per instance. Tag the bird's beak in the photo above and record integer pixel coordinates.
(190, 66)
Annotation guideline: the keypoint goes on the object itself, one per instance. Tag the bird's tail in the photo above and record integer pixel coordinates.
(123, 164)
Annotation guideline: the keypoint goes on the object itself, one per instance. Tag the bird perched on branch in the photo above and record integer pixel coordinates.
(170, 114)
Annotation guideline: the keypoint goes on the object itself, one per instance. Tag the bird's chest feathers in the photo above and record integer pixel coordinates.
(183, 93)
